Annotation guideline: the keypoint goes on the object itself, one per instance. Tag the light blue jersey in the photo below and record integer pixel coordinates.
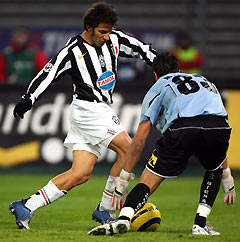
(178, 95)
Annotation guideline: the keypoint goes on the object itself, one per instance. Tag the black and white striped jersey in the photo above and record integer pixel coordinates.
(93, 69)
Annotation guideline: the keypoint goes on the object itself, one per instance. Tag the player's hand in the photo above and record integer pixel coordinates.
(118, 194)
(22, 107)
(228, 188)
(121, 189)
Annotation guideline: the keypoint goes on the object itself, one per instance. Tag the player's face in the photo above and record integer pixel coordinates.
(101, 33)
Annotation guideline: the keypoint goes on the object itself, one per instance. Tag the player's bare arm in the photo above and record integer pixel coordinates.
(135, 150)
(133, 154)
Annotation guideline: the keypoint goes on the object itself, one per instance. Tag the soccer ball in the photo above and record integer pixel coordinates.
(148, 218)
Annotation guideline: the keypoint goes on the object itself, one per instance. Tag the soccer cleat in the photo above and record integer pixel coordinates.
(23, 214)
(102, 217)
(115, 227)
(207, 230)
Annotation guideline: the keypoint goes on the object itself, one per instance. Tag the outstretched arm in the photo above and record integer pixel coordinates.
(131, 47)
(54, 70)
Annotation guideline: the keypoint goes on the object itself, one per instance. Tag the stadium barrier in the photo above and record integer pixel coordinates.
(39, 136)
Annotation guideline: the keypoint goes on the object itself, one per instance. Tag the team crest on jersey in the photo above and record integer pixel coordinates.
(106, 81)
(48, 67)
(102, 61)
(116, 120)
(114, 49)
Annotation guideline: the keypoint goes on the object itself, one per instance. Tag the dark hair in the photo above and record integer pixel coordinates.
(165, 63)
(100, 12)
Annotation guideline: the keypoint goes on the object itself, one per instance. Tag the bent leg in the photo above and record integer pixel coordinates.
(83, 163)
(147, 184)
(209, 190)
(120, 145)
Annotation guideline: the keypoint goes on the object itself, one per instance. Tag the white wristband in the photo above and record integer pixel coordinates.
(124, 175)
(226, 173)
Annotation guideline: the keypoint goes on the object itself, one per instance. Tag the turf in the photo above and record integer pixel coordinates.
(69, 219)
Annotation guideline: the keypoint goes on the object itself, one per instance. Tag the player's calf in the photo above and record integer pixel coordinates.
(209, 190)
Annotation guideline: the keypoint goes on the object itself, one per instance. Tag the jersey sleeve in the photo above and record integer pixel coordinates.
(131, 47)
(151, 106)
(53, 71)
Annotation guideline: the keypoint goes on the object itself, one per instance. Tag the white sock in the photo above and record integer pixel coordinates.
(106, 202)
(203, 210)
(44, 196)
(127, 212)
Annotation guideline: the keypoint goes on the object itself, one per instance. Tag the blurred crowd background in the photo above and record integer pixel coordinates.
(204, 35)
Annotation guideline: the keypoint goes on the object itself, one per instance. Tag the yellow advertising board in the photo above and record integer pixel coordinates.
(233, 108)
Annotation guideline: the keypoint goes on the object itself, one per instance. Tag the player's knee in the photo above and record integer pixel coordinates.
(121, 144)
(219, 172)
(214, 175)
(122, 154)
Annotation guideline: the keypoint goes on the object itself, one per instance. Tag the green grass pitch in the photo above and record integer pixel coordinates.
(69, 219)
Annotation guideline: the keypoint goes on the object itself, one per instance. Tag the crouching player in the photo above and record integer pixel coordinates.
(189, 112)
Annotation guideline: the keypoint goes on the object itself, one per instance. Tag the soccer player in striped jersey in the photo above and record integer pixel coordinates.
(187, 109)
(90, 58)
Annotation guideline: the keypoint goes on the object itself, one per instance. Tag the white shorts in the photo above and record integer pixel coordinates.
(92, 125)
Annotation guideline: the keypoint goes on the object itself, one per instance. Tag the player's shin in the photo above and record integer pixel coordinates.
(209, 190)
(44, 196)
(134, 201)
(106, 202)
